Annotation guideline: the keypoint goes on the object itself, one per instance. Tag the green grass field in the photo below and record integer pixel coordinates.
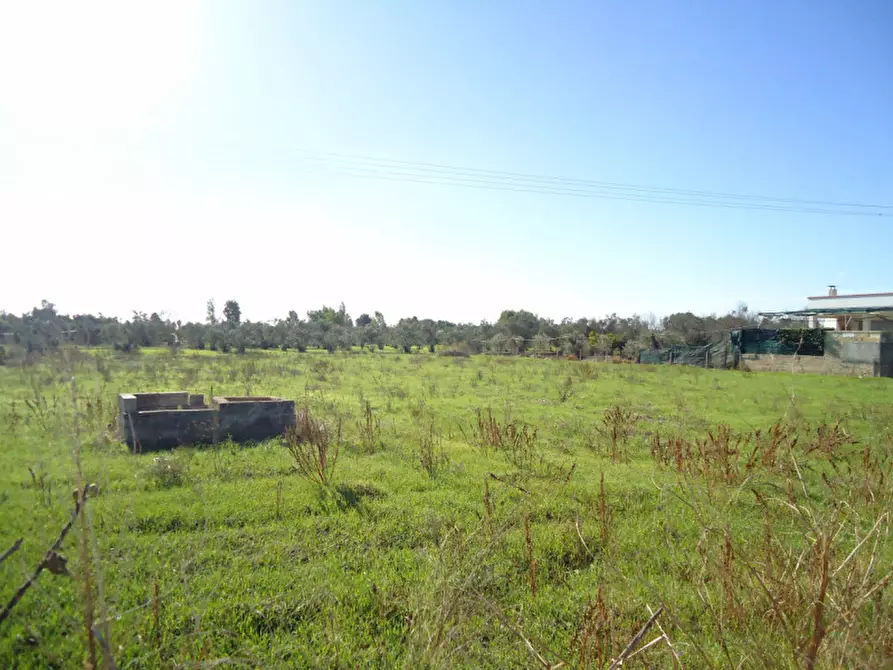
(483, 512)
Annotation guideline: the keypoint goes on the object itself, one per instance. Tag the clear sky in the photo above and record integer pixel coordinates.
(153, 155)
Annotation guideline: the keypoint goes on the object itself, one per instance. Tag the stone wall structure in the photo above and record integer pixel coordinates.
(853, 353)
(156, 421)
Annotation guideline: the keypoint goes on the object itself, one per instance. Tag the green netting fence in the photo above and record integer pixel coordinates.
(725, 351)
(719, 354)
(785, 341)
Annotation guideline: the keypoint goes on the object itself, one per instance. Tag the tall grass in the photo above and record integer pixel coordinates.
(732, 530)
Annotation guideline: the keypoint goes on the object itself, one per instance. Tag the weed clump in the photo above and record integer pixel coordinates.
(516, 440)
(166, 472)
(314, 446)
(431, 454)
(619, 425)
(726, 456)
(369, 429)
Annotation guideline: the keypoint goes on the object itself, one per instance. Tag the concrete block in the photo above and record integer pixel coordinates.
(170, 400)
(152, 421)
(168, 428)
(127, 402)
(254, 418)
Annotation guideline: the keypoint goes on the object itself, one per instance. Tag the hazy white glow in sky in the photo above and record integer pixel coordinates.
(148, 155)
(91, 69)
(82, 83)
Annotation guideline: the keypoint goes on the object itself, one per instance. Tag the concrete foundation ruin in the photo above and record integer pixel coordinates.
(156, 421)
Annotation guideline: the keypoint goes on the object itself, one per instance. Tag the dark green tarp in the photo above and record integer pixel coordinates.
(720, 354)
(726, 350)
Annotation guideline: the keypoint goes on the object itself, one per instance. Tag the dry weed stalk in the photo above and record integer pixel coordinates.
(591, 645)
(806, 594)
(488, 507)
(604, 514)
(531, 561)
(633, 643)
(722, 455)
(517, 440)
(619, 424)
(431, 454)
(370, 429)
(314, 448)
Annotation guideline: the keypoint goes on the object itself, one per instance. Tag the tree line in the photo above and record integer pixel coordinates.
(514, 332)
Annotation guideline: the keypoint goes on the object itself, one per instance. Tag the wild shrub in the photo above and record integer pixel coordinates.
(565, 389)
(726, 456)
(515, 439)
(719, 456)
(821, 595)
(167, 471)
(618, 426)
(98, 413)
(314, 446)
(586, 370)
(431, 455)
(592, 645)
(369, 429)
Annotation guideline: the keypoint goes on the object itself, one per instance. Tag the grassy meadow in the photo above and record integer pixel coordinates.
(482, 512)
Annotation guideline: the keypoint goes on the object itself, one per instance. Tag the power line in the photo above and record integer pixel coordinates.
(570, 186)
(603, 193)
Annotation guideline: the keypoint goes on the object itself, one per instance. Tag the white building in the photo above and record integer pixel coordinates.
(854, 311)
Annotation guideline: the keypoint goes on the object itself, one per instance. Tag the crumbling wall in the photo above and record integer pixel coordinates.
(247, 418)
(154, 421)
(168, 428)
(823, 365)
(853, 353)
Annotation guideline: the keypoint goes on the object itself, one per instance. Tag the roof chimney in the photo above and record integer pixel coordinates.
(832, 290)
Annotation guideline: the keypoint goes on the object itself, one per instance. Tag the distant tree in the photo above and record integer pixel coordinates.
(215, 338)
(363, 320)
(211, 313)
(344, 337)
(542, 344)
(519, 324)
(603, 343)
(633, 348)
(740, 317)
(232, 313)
(343, 317)
(428, 331)
(46, 312)
(407, 334)
(574, 340)
(297, 332)
(498, 343)
(685, 328)
(193, 334)
(331, 316)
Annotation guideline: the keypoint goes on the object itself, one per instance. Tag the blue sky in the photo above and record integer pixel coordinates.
(152, 157)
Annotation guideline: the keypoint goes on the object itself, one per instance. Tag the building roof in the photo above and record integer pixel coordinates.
(855, 302)
(848, 304)
(850, 295)
(880, 312)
